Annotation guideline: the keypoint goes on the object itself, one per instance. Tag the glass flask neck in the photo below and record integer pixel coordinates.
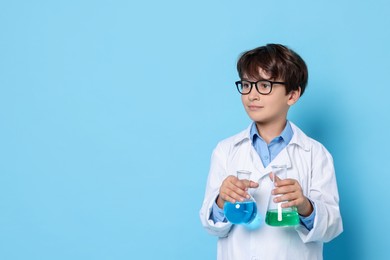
(279, 171)
(244, 175)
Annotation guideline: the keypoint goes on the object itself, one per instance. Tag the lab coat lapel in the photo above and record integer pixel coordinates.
(283, 158)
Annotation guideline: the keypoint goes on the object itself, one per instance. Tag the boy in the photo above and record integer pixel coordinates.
(273, 77)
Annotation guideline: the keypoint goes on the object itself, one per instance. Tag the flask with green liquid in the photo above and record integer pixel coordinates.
(276, 215)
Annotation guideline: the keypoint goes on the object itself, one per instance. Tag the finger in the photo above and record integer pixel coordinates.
(246, 185)
(242, 184)
(291, 183)
(233, 189)
(234, 192)
(240, 187)
(286, 197)
(229, 184)
(274, 178)
(287, 182)
(295, 198)
(271, 176)
(241, 194)
(288, 204)
(228, 198)
(230, 179)
(285, 189)
(293, 203)
(233, 196)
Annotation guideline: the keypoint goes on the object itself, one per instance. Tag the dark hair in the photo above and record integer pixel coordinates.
(279, 62)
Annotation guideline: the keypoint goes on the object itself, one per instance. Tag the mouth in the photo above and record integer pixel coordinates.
(254, 108)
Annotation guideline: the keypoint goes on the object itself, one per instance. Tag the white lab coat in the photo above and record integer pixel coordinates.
(308, 162)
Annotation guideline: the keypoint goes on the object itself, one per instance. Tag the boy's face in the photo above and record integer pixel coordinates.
(271, 108)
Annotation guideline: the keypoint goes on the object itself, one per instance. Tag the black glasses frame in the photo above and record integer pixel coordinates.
(255, 83)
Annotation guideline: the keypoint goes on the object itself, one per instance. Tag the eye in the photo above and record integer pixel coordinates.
(245, 85)
(264, 85)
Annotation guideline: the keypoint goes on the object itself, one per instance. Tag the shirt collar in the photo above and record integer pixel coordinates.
(298, 137)
(286, 134)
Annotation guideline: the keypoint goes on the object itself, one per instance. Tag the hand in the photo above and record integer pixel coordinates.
(233, 189)
(291, 191)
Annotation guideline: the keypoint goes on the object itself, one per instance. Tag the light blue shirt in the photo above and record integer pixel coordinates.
(267, 153)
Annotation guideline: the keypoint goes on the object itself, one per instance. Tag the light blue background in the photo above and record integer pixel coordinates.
(109, 111)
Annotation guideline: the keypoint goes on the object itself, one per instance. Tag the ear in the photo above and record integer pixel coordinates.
(293, 96)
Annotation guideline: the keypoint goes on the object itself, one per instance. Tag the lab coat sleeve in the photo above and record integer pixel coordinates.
(216, 176)
(324, 194)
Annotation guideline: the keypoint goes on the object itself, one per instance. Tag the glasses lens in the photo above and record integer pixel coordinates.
(244, 87)
(264, 87)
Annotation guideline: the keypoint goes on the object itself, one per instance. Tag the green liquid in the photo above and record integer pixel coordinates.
(289, 218)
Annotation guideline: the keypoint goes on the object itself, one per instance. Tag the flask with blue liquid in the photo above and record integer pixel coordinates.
(243, 212)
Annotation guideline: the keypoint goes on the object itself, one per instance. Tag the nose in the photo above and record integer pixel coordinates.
(254, 94)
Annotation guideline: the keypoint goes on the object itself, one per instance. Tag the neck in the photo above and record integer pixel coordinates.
(269, 131)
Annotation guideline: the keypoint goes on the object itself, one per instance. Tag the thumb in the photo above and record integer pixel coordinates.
(253, 184)
(274, 178)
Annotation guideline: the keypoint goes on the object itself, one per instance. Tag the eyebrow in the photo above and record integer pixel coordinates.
(246, 79)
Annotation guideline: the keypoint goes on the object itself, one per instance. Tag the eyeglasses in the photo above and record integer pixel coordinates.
(264, 87)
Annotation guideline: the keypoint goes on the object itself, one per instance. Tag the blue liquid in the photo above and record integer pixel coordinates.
(256, 223)
(240, 212)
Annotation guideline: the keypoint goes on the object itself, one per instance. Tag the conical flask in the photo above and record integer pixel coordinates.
(276, 215)
(244, 212)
